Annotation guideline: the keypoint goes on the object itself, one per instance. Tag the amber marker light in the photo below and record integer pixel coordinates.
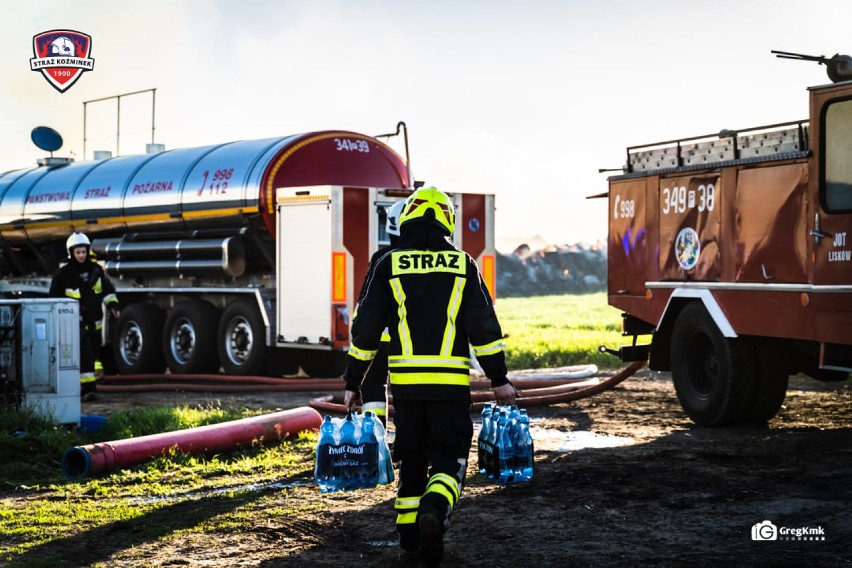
(805, 300)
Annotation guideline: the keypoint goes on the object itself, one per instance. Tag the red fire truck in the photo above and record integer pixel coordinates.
(245, 256)
(733, 252)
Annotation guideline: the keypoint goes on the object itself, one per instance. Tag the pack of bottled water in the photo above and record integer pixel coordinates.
(505, 446)
(352, 453)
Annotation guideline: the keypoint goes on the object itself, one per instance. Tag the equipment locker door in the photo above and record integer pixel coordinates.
(304, 271)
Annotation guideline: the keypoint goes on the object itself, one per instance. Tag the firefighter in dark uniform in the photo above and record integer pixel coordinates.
(374, 388)
(432, 299)
(85, 281)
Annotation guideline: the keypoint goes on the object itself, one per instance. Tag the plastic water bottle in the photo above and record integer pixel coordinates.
(386, 474)
(493, 433)
(347, 431)
(370, 475)
(482, 441)
(324, 474)
(327, 431)
(348, 478)
(512, 422)
(505, 450)
(524, 449)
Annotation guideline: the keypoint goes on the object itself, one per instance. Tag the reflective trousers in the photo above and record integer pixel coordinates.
(432, 445)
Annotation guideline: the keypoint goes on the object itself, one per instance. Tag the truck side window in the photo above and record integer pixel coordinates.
(837, 184)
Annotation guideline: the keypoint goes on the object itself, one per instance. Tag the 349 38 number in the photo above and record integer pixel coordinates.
(679, 199)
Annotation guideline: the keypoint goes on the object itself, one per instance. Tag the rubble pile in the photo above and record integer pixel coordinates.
(553, 269)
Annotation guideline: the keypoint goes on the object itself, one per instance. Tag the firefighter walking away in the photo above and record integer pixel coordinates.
(432, 299)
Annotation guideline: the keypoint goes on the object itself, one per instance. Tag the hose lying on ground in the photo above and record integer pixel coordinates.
(535, 387)
(232, 383)
(527, 396)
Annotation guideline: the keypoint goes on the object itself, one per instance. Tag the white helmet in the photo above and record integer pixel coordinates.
(393, 213)
(77, 240)
(62, 46)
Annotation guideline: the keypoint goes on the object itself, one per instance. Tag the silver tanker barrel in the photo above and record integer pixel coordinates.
(229, 188)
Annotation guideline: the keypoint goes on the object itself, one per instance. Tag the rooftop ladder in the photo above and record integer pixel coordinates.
(776, 141)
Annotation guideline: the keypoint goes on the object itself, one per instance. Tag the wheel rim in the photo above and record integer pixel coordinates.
(240, 341)
(183, 341)
(130, 347)
(703, 365)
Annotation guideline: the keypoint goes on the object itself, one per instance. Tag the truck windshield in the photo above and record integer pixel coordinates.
(837, 187)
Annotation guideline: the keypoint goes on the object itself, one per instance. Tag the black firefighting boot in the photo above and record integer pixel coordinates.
(431, 549)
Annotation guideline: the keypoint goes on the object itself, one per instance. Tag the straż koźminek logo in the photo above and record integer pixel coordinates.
(62, 56)
(768, 531)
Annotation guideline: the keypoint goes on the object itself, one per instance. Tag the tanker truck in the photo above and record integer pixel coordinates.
(245, 256)
(730, 256)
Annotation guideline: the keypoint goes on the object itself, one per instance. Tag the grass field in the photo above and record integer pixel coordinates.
(554, 331)
(56, 508)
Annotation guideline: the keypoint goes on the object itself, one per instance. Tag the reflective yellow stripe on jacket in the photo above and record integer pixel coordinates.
(402, 328)
(452, 313)
(362, 354)
(489, 348)
(453, 379)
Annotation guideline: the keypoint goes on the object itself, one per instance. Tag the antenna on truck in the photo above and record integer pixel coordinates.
(838, 67)
(401, 126)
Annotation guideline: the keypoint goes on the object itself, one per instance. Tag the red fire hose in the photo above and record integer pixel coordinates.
(202, 383)
(213, 383)
(96, 458)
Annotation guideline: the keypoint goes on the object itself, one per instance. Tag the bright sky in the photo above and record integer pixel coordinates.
(523, 99)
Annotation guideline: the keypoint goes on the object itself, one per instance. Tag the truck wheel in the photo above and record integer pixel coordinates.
(189, 337)
(771, 385)
(242, 339)
(136, 346)
(323, 364)
(713, 375)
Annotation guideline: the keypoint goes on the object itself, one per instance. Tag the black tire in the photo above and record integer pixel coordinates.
(320, 364)
(137, 345)
(242, 339)
(771, 383)
(189, 337)
(713, 375)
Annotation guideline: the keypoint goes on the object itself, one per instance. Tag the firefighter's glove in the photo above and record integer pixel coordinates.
(505, 394)
(352, 399)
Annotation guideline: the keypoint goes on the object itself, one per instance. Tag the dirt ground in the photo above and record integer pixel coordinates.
(675, 494)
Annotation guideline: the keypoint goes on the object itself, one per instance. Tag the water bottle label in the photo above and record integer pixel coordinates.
(352, 465)
(350, 462)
